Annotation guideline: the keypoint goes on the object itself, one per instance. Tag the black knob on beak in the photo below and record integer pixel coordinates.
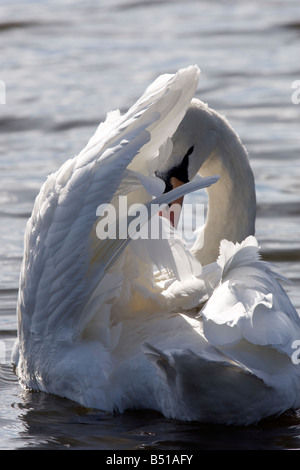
(180, 172)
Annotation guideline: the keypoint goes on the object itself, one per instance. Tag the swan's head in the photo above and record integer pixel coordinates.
(193, 142)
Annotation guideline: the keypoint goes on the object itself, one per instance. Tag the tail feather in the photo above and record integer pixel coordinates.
(210, 387)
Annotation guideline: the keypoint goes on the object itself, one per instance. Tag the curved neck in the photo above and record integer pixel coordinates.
(231, 201)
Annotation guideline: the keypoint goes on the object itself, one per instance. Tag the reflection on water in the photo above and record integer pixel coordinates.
(41, 421)
(65, 64)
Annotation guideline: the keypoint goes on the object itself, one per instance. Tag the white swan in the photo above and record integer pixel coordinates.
(206, 338)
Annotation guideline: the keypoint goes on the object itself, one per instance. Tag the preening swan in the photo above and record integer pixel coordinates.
(124, 322)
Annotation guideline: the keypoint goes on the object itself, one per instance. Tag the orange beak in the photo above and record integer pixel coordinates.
(173, 213)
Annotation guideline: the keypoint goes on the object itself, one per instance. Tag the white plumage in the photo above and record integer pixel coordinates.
(209, 336)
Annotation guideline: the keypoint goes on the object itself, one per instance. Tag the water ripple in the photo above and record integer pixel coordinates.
(64, 69)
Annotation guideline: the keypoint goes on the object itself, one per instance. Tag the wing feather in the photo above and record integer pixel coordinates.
(63, 262)
(249, 303)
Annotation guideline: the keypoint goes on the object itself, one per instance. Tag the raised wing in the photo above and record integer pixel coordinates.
(64, 261)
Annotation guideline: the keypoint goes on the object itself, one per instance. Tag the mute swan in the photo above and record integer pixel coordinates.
(204, 334)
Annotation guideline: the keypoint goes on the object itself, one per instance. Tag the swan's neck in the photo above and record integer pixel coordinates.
(231, 201)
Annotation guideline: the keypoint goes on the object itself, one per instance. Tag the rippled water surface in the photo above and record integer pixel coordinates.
(64, 64)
